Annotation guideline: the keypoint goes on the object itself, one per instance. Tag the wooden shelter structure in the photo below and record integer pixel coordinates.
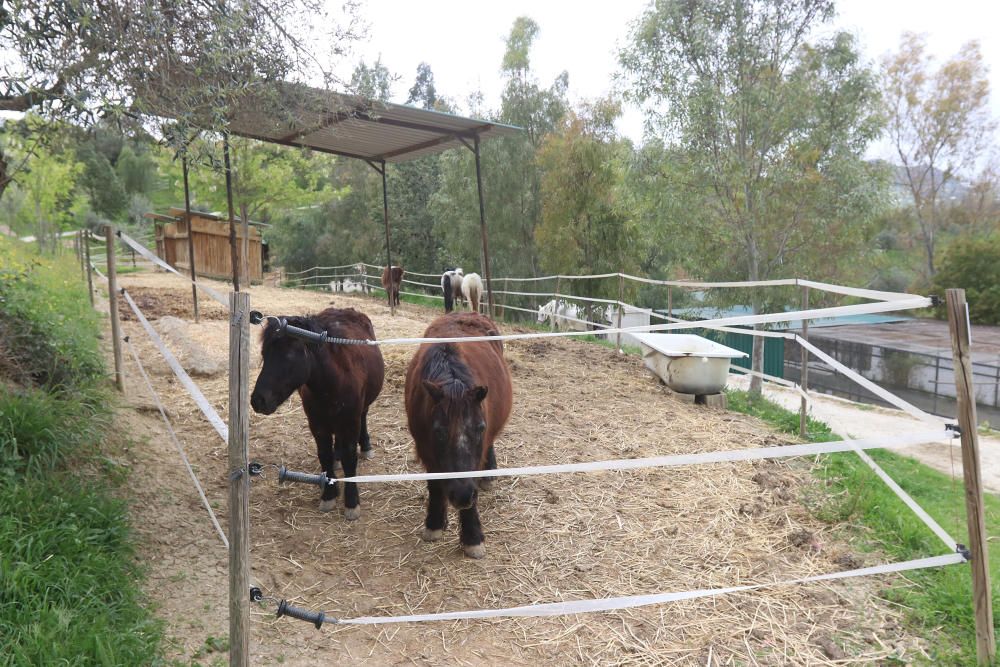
(356, 127)
(208, 235)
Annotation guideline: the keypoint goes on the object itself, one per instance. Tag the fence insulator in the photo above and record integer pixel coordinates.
(314, 617)
(286, 475)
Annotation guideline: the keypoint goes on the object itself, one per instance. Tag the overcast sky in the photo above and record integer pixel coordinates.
(464, 41)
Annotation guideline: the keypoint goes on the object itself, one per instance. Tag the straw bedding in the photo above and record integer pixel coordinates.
(548, 538)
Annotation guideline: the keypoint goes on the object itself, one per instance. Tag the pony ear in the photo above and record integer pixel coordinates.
(478, 393)
(434, 389)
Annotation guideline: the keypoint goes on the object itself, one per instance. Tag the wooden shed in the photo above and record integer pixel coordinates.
(210, 235)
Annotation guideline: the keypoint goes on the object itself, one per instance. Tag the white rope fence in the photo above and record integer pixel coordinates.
(884, 302)
(180, 449)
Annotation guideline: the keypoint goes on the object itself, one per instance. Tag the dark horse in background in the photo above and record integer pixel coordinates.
(458, 399)
(337, 384)
(392, 278)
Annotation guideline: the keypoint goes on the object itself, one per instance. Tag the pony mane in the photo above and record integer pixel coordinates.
(271, 333)
(444, 366)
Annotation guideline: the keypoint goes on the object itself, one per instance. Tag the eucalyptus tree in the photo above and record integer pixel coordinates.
(769, 129)
(940, 126)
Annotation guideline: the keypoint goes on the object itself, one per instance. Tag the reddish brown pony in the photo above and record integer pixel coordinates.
(458, 398)
(397, 279)
(337, 384)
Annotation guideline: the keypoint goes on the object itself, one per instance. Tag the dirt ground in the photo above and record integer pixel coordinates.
(548, 538)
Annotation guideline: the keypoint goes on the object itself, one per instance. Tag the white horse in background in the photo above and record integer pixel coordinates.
(563, 316)
(454, 280)
(472, 290)
(347, 286)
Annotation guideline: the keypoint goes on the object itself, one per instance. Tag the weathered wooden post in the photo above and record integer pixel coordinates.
(90, 274)
(234, 253)
(116, 340)
(670, 302)
(239, 479)
(804, 374)
(621, 307)
(982, 603)
(78, 247)
(555, 306)
(190, 231)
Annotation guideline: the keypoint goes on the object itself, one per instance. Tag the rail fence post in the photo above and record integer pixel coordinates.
(90, 273)
(555, 308)
(116, 341)
(982, 603)
(239, 479)
(670, 302)
(621, 307)
(78, 246)
(804, 373)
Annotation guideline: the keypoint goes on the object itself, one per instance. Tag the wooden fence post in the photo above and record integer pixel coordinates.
(90, 274)
(116, 340)
(621, 307)
(670, 302)
(982, 603)
(78, 246)
(804, 374)
(239, 479)
(555, 309)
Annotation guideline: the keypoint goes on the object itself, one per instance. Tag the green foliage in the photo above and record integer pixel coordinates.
(47, 328)
(974, 265)
(585, 223)
(68, 579)
(136, 170)
(107, 195)
(937, 602)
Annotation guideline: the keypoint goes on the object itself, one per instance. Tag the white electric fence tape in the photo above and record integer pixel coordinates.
(145, 252)
(768, 318)
(177, 444)
(199, 398)
(673, 460)
(868, 384)
(631, 601)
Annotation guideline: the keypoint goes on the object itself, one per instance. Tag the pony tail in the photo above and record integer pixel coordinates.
(449, 295)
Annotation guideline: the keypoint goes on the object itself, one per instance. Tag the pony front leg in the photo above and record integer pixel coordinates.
(437, 511)
(486, 483)
(472, 532)
(346, 446)
(327, 460)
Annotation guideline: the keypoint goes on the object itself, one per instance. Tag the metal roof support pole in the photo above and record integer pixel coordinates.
(482, 227)
(388, 247)
(187, 217)
(234, 252)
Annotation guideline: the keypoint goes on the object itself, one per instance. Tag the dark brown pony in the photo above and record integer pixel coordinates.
(337, 384)
(397, 279)
(458, 398)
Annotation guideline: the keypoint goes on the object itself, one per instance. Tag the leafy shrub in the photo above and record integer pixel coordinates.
(973, 264)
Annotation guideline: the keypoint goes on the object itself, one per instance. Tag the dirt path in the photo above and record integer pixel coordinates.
(857, 420)
(548, 538)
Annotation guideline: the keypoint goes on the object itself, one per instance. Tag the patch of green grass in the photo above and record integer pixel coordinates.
(937, 602)
(69, 586)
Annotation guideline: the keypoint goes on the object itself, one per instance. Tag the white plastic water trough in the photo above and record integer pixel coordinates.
(688, 364)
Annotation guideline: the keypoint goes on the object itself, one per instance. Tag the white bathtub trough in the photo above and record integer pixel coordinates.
(688, 364)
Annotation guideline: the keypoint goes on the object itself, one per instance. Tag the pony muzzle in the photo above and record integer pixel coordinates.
(462, 493)
(260, 404)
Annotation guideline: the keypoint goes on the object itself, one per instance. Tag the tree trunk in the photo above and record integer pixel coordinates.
(757, 355)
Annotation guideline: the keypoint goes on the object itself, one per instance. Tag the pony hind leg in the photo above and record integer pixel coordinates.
(327, 461)
(437, 511)
(365, 441)
(486, 483)
(347, 445)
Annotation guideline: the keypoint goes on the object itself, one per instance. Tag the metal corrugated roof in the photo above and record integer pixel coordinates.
(360, 128)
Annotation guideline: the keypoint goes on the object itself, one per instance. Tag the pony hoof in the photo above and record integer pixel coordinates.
(368, 454)
(476, 551)
(432, 535)
(327, 505)
(352, 513)
(485, 484)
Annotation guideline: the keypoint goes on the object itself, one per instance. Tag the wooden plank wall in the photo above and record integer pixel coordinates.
(212, 255)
